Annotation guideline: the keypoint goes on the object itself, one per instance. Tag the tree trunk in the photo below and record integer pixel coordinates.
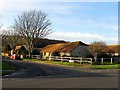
(30, 50)
(30, 55)
(95, 57)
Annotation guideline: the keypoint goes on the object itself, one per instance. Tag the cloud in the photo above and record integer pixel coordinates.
(110, 27)
(9, 9)
(102, 24)
(62, 0)
(57, 8)
(64, 17)
(68, 21)
(77, 36)
(61, 9)
(4, 28)
(84, 25)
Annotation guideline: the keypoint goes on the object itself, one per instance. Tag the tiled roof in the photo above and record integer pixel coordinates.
(52, 47)
(18, 47)
(113, 48)
(71, 46)
(62, 47)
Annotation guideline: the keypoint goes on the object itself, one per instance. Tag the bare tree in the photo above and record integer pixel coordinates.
(32, 25)
(96, 48)
(11, 38)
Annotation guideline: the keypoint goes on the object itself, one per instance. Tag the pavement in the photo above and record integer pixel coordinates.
(37, 75)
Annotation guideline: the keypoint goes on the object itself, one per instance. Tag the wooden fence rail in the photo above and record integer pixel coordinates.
(110, 60)
(77, 59)
(71, 59)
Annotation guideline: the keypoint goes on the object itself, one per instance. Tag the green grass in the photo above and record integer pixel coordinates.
(106, 66)
(6, 72)
(6, 57)
(105, 63)
(6, 68)
(54, 62)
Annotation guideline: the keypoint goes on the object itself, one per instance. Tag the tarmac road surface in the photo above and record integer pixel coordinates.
(37, 75)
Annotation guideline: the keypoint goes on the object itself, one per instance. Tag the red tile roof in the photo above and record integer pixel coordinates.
(64, 47)
(71, 46)
(18, 47)
(113, 48)
(52, 47)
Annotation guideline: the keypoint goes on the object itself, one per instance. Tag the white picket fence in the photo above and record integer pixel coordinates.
(110, 60)
(71, 59)
(74, 59)
(36, 56)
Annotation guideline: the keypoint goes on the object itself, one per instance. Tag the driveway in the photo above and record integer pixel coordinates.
(37, 75)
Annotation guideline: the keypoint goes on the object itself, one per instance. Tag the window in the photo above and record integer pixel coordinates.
(44, 53)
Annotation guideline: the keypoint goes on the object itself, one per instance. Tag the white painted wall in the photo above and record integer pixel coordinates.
(46, 54)
(80, 51)
(64, 53)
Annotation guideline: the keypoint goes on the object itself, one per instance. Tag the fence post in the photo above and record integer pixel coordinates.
(61, 59)
(49, 57)
(54, 58)
(80, 60)
(101, 60)
(111, 60)
(91, 60)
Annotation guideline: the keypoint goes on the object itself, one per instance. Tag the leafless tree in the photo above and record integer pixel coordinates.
(8, 37)
(11, 38)
(96, 48)
(32, 25)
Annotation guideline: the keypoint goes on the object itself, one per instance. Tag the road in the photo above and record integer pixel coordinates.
(37, 75)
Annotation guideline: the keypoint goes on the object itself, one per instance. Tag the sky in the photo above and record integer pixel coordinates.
(71, 21)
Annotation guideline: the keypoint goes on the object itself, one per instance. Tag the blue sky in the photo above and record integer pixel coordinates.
(71, 21)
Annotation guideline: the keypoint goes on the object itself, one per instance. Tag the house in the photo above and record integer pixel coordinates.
(21, 50)
(74, 49)
(50, 50)
(6, 50)
(113, 50)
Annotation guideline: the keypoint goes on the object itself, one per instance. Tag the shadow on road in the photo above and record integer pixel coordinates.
(32, 70)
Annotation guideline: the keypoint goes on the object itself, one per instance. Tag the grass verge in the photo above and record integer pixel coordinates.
(113, 66)
(116, 66)
(6, 68)
(54, 62)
